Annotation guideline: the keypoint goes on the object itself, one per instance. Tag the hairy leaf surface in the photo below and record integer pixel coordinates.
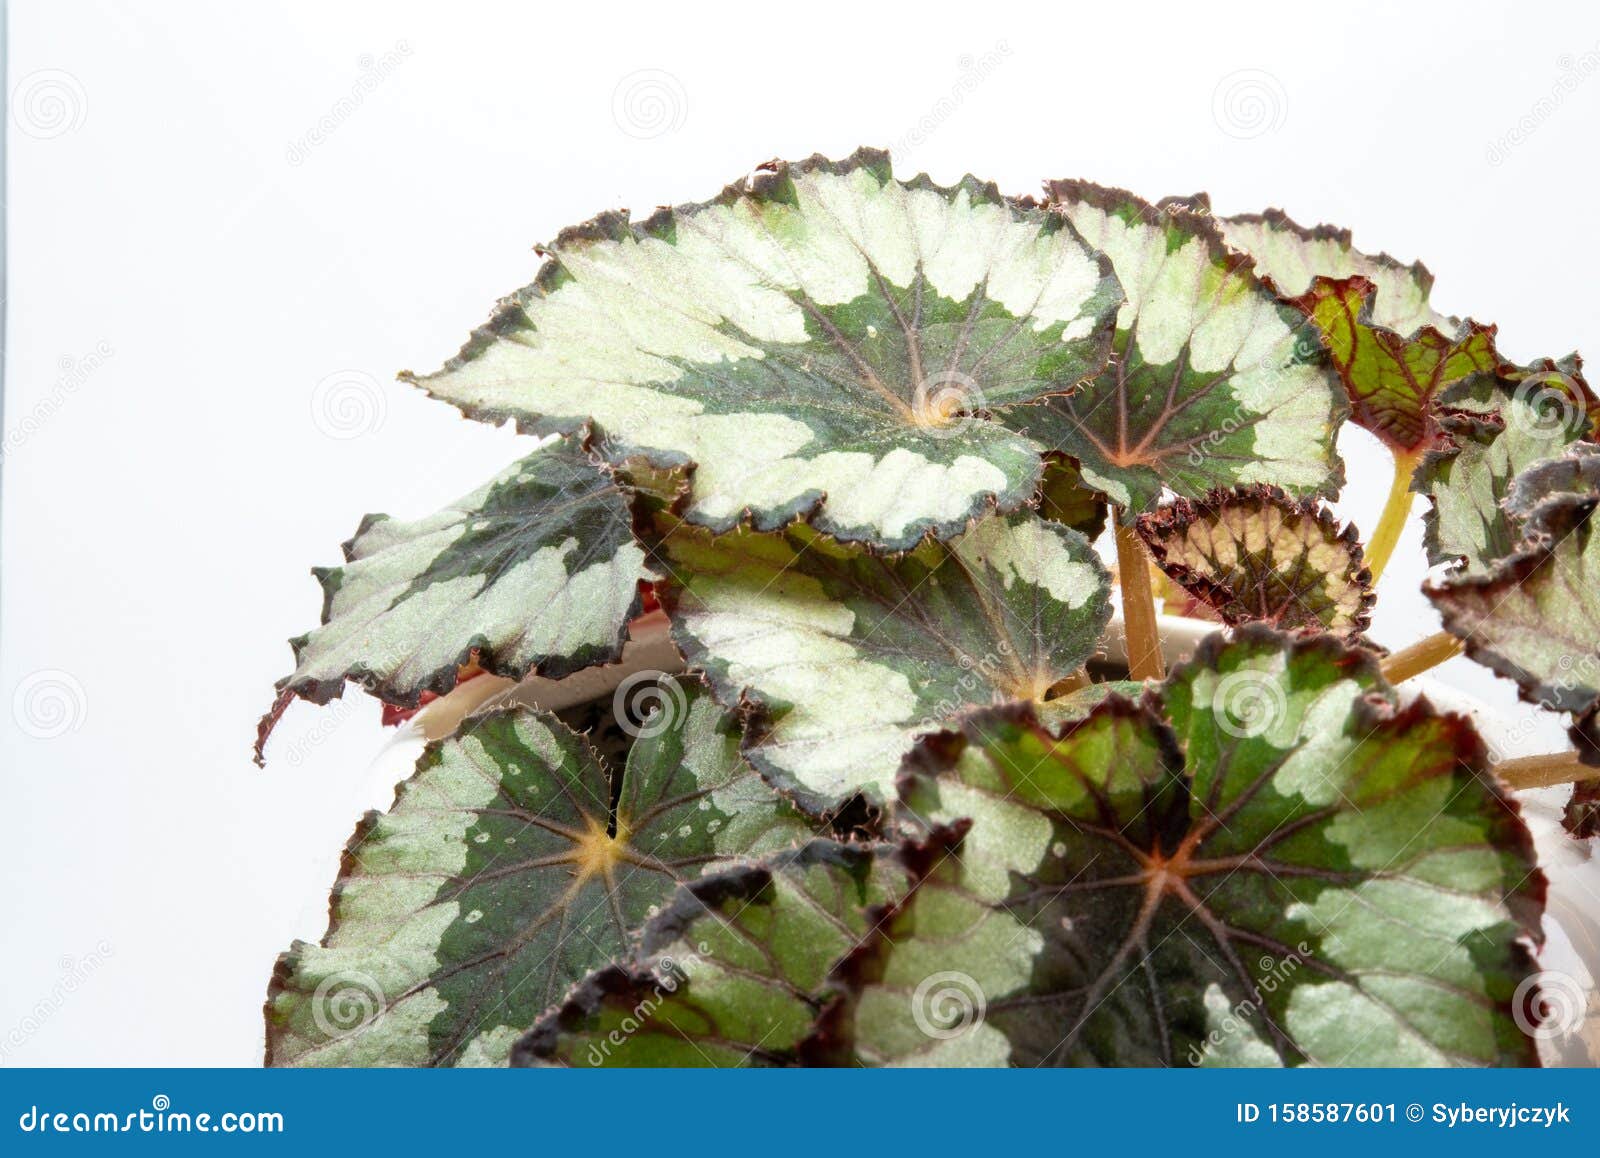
(1286, 871)
(1255, 555)
(731, 973)
(496, 881)
(820, 340)
(536, 571)
(850, 655)
(1213, 382)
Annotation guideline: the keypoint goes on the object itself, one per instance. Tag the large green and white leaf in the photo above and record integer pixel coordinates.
(820, 340)
(1213, 382)
(851, 655)
(1534, 615)
(1507, 425)
(1254, 555)
(535, 571)
(498, 879)
(732, 973)
(1287, 871)
(1293, 257)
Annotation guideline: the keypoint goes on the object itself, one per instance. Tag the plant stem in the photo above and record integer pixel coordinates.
(1138, 607)
(1396, 509)
(1420, 656)
(1543, 771)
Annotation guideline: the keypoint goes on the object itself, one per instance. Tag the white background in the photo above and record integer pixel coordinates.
(164, 498)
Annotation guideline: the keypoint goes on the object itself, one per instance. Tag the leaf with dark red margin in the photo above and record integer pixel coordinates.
(1394, 381)
(1286, 871)
(1255, 555)
(1534, 616)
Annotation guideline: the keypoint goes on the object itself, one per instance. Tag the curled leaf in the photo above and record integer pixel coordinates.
(1395, 382)
(820, 340)
(499, 878)
(1255, 555)
(1063, 498)
(1213, 381)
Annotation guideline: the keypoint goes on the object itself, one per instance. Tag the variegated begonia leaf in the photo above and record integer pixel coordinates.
(1286, 871)
(820, 340)
(1293, 257)
(849, 655)
(499, 878)
(731, 973)
(1213, 381)
(1254, 555)
(1506, 424)
(1395, 353)
(1064, 498)
(1534, 615)
(1395, 381)
(536, 571)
